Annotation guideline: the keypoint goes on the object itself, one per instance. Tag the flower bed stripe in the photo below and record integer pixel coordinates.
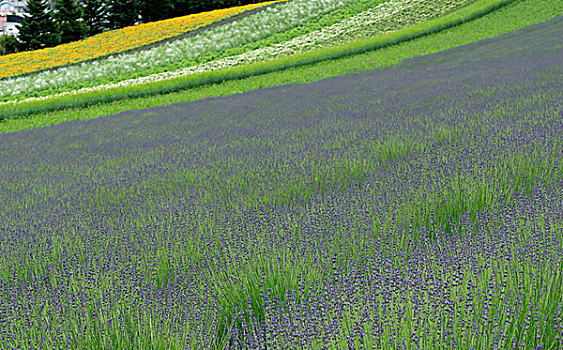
(135, 64)
(474, 10)
(115, 41)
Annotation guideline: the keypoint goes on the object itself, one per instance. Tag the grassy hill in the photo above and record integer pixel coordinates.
(394, 186)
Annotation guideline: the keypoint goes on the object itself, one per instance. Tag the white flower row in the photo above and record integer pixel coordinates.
(229, 35)
(299, 44)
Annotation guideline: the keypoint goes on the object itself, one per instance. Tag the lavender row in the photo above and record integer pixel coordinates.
(412, 207)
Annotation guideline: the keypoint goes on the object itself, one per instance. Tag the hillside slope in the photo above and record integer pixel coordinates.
(397, 207)
(517, 15)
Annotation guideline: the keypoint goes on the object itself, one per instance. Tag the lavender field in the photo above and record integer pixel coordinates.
(412, 207)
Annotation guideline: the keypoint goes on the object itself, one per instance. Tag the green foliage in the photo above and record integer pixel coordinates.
(186, 7)
(39, 29)
(123, 13)
(8, 44)
(154, 10)
(95, 16)
(69, 19)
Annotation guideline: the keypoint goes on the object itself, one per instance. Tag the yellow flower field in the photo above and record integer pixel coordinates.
(113, 42)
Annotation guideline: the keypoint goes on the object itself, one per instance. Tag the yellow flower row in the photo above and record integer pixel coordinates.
(113, 42)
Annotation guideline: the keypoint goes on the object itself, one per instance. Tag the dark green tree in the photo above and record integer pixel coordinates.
(8, 44)
(96, 16)
(187, 7)
(38, 30)
(123, 13)
(154, 10)
(69, 19)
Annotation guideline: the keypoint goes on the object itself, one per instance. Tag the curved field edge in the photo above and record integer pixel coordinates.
(512, 17)
(160, 42)
(84, 99)
(99, 74)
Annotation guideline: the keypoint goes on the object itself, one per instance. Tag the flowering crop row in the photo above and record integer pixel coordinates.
(369, 24)
(114, 42)
(390, 11)
(249, 29)
(413, 207)
(299, 44)
(373, 21)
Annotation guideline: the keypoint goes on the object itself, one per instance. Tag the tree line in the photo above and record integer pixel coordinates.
(72, 20)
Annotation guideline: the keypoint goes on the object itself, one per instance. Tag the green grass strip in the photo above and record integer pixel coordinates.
(518, 15)
(463, 15)
(340, 14)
